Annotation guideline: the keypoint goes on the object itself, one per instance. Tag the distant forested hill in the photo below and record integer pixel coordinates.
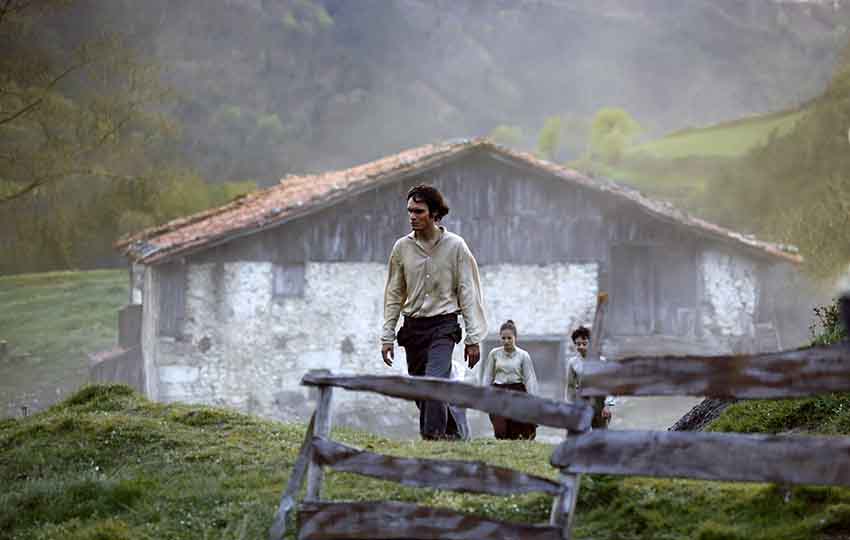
(268, 87)
(248, 91)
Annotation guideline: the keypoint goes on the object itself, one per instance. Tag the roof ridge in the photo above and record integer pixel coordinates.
(295, 195)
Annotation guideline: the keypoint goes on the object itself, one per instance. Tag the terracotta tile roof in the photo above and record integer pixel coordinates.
(296, 196)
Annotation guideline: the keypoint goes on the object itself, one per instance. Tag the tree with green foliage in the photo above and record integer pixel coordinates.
(507, 135)
(85, 147)
(612, 131)
(549, 140)
(71, 108)
(796, 187)
(575, 132)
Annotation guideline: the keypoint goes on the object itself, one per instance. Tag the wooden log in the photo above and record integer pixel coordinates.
(709, 456)
(391, 520)
(563, 507)
(296, 480)
(517, 405)
(789, 374)
(315, 474)
(462, 476)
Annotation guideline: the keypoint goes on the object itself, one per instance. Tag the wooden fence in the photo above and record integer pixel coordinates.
(706, 456)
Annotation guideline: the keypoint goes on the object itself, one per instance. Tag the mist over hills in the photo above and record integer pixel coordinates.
(272, 87)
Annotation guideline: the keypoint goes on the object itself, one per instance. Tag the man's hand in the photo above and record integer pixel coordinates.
(606, 413)
(387, 353)
(472, 353)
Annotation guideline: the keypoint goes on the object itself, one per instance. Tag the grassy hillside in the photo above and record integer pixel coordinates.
(107, 463)
(52, 321)
(784, 177)
(684, 166)
(727, 139)
(826, 415)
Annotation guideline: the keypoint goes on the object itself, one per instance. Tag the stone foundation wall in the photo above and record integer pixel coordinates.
(244, 347)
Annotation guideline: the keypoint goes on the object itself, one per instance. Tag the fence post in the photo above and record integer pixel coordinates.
(293, 486)
(322, 428)
(598, 328)
(564, 505)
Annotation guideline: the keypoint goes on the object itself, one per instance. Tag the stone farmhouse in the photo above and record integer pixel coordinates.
(233, 305)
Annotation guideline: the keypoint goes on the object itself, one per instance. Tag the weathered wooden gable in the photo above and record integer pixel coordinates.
(506, 212)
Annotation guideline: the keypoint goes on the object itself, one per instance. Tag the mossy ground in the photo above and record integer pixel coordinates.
(106, 463)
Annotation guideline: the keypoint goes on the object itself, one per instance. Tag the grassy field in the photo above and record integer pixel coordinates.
(52, 321)
(729, 139)
(108, 464)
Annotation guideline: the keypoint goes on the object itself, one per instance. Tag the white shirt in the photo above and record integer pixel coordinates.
(439, 281)
(575, 369)
(506, 368)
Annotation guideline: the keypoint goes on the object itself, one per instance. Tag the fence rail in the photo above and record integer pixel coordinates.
(790, 374)
(516, 405)
(391, 520)
(462, 476)
(709, 456)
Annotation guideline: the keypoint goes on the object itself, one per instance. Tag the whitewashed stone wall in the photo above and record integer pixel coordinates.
(244, 348)
(730, 287)
(542, 300)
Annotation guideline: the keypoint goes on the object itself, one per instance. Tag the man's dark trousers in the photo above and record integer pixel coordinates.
(428, 344)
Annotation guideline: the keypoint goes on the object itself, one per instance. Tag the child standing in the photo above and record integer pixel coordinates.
(601, 407)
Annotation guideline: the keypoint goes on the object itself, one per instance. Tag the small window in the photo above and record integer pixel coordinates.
(172, 299)
(289, 281)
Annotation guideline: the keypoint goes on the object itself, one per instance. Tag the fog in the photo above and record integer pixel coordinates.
(266, 88)
(384, 76)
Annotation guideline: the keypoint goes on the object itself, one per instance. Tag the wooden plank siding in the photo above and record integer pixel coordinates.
(172, 298)
(709, 456)
(392, 520)
(508, 214)
(490, 202)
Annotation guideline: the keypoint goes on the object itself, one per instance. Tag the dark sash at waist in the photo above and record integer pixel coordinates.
(419, 323)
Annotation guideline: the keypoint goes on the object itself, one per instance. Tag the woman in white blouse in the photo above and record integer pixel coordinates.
(510, 367)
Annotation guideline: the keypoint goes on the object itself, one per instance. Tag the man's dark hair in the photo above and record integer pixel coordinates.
(581, 331)
(432, 197)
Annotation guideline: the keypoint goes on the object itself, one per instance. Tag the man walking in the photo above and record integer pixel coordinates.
(432, 279)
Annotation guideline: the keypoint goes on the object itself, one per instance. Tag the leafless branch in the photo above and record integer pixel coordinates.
(20, 192)
(70, 69)
(51, 178)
